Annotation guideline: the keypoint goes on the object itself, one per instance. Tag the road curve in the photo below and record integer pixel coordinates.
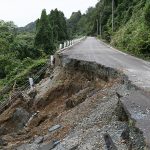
(92, 49)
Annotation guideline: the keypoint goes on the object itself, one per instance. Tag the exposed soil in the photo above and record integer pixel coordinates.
(82, 103)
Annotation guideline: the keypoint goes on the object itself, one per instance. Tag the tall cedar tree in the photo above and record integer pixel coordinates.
(72, 23)
(43, 39)
(58, 23)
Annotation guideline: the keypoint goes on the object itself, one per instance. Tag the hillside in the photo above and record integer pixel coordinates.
(31, 27)
(131, 30)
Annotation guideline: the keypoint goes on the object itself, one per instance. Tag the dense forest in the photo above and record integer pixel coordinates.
(123, 23)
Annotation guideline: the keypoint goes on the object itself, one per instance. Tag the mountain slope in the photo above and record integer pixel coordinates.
(31, 27)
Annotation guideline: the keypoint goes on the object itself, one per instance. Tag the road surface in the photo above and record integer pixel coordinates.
(92, 49)
(137, 102)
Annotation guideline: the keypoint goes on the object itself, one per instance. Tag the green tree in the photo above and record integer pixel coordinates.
(43, 39)
(58, 23)
(72, 23)
(147, 14)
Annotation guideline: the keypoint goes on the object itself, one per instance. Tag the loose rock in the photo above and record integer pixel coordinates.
(56, 127)
(3, 142)
(20, 118)
(39, 140)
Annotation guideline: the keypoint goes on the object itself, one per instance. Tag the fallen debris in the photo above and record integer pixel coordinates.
(54, 128)
(39, 140)
(49, 146)
(109, 143)
(3, 142)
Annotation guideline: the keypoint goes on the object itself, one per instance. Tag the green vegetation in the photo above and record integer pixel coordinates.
(72, 23)
(79, 24)
(131, 31)
(17, 53)
(50, 30)
(43, 39)
(23, 51)
(133, 35)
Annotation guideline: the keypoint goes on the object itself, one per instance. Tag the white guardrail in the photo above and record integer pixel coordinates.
(69, 44)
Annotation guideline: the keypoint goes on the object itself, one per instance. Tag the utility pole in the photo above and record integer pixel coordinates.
(97, 26)
(52, 31)
(100, 27)
(112, 15)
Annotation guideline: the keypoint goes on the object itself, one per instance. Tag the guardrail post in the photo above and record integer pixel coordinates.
(60, 46)
(52, 60)
(31, 83)
(71, 42)
(65, 44)
(68, 44)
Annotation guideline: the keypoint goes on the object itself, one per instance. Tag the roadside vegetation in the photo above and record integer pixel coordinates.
(24, 50)
(18, 54)
(131, 32)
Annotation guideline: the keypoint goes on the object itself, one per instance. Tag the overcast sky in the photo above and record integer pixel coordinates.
(23, 12)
